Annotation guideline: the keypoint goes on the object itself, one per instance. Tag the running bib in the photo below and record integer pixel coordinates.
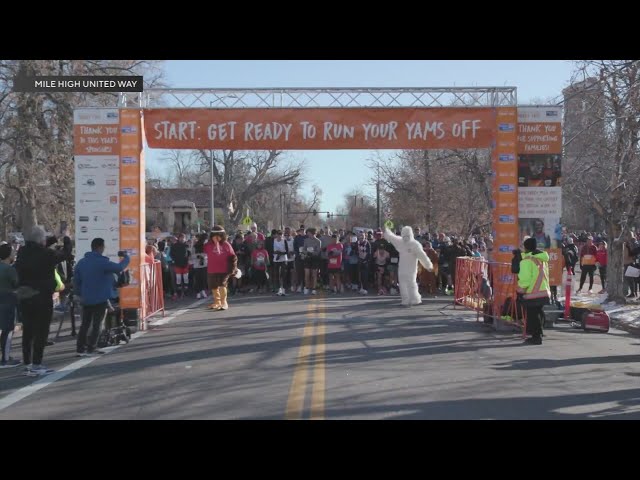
(589, 260)
(394, 260)
(333, 261)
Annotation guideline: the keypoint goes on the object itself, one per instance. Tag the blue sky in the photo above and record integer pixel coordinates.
(533, 78)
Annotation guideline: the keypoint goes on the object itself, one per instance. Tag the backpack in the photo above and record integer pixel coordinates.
(124, 279)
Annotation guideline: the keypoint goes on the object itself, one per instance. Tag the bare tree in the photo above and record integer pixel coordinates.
(604, 168)
(243, 180)
(438, 189)
(36, 161)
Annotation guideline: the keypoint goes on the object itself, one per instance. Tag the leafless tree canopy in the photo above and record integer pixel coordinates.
(601, 152)
(438, 189)
(36, 150)
(244, 180)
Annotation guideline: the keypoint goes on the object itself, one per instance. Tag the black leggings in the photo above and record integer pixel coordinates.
(587, 269)
(279, 274)
(36, 319)
(603, 276)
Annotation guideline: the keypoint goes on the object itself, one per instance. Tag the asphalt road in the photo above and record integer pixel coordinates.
(334, 357)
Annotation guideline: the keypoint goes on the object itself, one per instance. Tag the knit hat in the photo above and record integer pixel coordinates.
(530, 244)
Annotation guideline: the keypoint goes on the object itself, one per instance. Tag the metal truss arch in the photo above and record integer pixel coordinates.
(242, 98)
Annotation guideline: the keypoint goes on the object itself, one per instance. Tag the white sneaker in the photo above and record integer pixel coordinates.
(299, 289)
(590, 292)
(306, 291)
(313, 292)
(204, 294)
(293, 289)
(281, 292)
(198, 296)
(363, 292)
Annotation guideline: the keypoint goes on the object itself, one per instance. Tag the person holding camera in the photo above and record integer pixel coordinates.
(533, 288)
(93, 284)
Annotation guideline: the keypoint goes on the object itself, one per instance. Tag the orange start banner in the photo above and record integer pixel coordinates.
(320, 128)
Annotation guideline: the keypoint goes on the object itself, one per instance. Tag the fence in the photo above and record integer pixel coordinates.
(498, 301)
(152, 292)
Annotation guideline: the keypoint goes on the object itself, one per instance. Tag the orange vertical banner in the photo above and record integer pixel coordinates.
(132, 222)
(505, 185)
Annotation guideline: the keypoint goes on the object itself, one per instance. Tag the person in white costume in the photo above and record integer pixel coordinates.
(411, 253)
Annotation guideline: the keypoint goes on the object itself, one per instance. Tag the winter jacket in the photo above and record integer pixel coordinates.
(93, 277)
(35, 266)
(530, 271)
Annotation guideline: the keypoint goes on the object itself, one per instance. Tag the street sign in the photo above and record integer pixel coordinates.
(247, 221)
(389, 224)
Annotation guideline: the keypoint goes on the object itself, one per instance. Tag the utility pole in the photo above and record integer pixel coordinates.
(378, 199)
(281, 210)
(212, 213)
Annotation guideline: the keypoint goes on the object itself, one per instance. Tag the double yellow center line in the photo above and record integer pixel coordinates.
(314, 330)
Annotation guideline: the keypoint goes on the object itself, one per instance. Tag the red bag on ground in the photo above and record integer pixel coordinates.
(596, 321)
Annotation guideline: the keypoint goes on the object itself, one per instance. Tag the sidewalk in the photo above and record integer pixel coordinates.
(623, 317)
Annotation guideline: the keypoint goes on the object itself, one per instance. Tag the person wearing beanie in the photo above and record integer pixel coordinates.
(533, 287)
(222, 262)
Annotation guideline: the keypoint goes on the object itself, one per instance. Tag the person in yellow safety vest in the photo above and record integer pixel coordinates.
(533, 288)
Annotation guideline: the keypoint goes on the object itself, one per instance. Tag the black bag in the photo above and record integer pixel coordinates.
(487, 313)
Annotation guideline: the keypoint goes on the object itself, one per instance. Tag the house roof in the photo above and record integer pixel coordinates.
(164, 197)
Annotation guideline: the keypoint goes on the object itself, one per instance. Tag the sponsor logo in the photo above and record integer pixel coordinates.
(129, 191)
(507, 219)
(110, 166)
(506, 278)
(506, 127)
(506, 144)
(83, 166)
(83, 219)
(552, 113)
(84, 229)
(113, 229)
(90, 183)
(507, 187)
(80, 239)
(111, 182)
(506, 248)
(113, 199)
(507, 205)
(508, 174)
(129, 129)
(112, 115)
(506, 157)
(89, 201)
(129, 160)
(129, 221)
(130, 208)
(132, 252)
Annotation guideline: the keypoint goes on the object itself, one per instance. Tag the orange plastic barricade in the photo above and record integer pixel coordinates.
(498, 303)
(152, 292)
